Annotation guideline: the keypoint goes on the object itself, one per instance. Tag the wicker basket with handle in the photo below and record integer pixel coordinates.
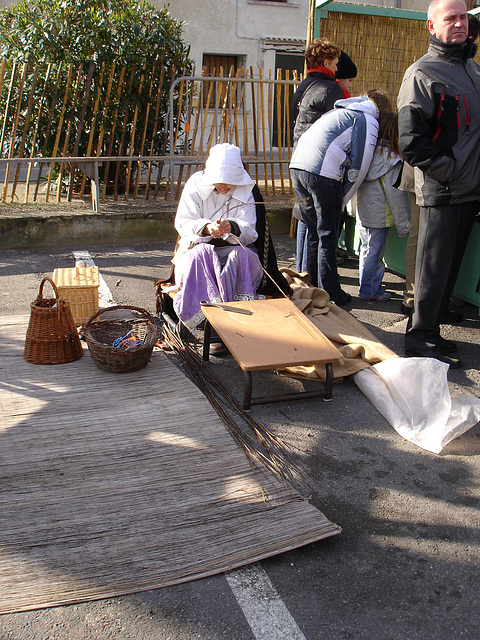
(52, 337)
(101, 334)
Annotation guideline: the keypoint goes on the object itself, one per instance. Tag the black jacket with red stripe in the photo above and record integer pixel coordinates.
(439, 123)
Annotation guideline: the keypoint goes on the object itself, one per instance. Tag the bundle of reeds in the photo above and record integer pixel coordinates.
(261, 445)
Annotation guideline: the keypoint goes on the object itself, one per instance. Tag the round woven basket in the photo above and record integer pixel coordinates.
(101, 334)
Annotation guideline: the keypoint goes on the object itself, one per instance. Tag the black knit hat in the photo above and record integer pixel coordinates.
(345, 67)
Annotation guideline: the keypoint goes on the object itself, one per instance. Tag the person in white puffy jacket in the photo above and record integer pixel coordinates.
(379, 206)
(328, 164)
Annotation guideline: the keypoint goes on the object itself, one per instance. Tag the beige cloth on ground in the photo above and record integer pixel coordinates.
(358, 346)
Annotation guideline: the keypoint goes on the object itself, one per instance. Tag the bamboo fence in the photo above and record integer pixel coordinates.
(129, 123)
(381, 47)
(144, 130)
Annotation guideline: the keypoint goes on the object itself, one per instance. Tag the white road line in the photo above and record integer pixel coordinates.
(265, 612)
(105, 298)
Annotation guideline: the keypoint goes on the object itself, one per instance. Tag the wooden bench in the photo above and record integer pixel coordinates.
(275, 335)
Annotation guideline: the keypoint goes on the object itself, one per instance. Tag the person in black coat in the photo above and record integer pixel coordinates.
(318, 91)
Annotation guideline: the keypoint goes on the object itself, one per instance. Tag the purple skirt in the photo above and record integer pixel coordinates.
(221, 274)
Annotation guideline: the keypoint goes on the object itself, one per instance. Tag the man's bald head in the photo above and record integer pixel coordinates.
(448, 20)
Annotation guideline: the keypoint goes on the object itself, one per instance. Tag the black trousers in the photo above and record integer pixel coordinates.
(443, 234)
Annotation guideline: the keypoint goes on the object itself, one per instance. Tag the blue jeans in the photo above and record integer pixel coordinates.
(301, 246)
(371, 265)
(320, 202)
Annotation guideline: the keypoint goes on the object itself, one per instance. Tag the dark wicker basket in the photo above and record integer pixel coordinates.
(52, 337)
(100, 334)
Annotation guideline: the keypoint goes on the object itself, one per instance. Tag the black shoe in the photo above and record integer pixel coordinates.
(342, 255)
(454, 363)
(446, 346)
(451, 317)
(405, 310)
(345, 299)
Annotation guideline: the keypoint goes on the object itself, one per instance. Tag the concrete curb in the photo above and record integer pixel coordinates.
(66, 226)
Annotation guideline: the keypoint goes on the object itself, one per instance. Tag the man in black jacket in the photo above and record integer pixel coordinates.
(439, 125)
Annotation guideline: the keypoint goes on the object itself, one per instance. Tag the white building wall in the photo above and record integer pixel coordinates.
(415, 5)
(243, 28)
(412, 5)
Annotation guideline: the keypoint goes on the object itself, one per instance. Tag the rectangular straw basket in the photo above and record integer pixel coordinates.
(52, 337)
(100, 334)
(79, 285)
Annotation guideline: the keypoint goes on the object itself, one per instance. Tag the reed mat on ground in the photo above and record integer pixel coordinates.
(118, 483)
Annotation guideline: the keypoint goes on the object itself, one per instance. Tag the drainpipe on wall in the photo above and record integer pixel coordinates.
(259, 41)
(310, 30)
(311, 22)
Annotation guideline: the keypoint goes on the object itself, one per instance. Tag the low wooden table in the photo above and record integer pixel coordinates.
(276, 335)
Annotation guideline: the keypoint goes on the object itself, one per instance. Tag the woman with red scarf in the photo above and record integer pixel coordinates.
(318, 92)
(329, 74)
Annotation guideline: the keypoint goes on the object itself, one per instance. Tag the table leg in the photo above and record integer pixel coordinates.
(328, 381)
(247, 390)
(207, 333)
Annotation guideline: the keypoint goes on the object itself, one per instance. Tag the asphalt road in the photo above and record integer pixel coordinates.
(406, 565)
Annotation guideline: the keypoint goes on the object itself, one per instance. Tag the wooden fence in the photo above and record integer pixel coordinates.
(137, 132)
(249, 111)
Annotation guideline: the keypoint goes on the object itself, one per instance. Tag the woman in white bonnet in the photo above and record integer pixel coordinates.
(215, 214)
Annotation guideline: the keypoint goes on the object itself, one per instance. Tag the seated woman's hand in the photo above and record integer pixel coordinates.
(218, 228)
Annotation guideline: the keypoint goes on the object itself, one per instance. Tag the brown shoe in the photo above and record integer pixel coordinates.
(217, 348)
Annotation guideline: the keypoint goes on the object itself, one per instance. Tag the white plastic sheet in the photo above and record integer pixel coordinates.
(413, 395)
